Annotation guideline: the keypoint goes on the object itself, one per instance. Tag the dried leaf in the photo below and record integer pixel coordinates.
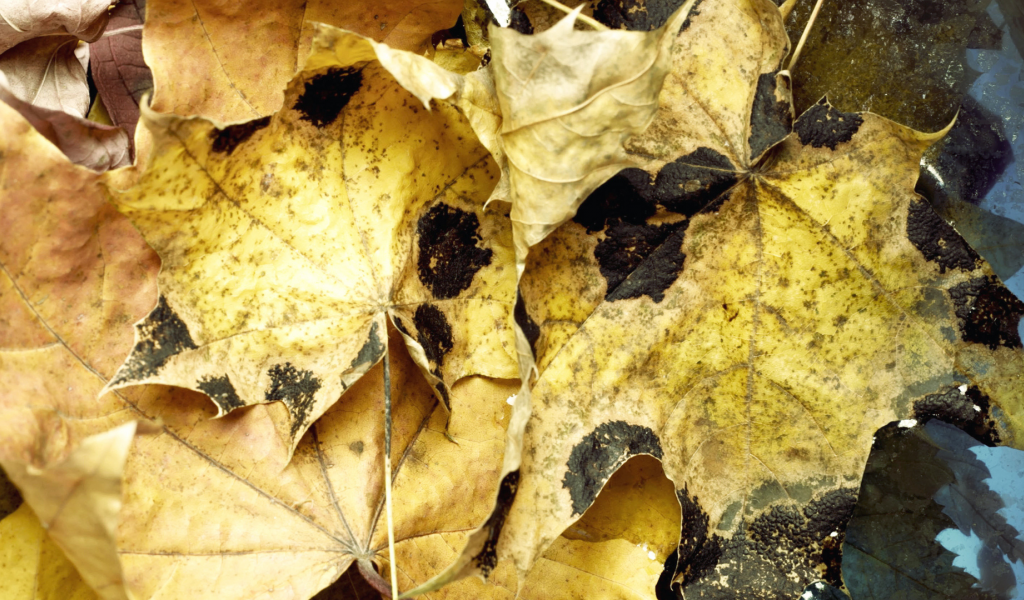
(22, 20)
(34, 567)
(748, 315)
(197, 69)
(307, 228)
(118, 67)
(49, 72)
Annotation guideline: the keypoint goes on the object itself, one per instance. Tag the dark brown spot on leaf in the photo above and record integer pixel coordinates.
(220, 390)
(227, 139)
(434, 333)
(596, 457)
(987, 312)
(372, 350)
(530, 329)
(487, 559)
(326, 95)
(821, 126)
(297, 389)
(771, 119)
(635, 15)
(958, 409)
(162, 335)
(449, 255)
(937, 240)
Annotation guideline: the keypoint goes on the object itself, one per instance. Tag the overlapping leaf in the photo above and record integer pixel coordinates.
(198, 68)
(34, 567)
(286, 241)
(750, 315)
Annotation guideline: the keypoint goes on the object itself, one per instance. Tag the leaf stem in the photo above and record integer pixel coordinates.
(387, 474)
(582, 17)
(807, 31)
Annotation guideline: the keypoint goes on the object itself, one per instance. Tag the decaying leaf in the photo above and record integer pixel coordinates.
(118, 66)
(286, 241)
(49, 72)
(749, 311)
(22, 20)
(198, 69)
(33, 567)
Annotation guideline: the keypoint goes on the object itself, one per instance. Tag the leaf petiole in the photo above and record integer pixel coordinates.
(387, 474)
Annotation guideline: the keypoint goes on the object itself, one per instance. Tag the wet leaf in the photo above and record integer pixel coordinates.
(749, 308)
(198, 70)
(305, 231)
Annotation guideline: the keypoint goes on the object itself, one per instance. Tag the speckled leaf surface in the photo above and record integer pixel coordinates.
(198, 70)
(749, 308)
(33, 567)
(289, 240)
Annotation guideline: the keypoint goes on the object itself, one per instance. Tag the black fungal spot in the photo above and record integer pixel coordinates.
(628, 197)
(821, 125)
(296, 388)
(435, 334)
(442, 390)
(487, 559)
(519, 22)
(638, 260)
(693, 13)
(663, 589)
(400, 325)
(599, 454)
(326, 95)
(771, 119)
(937, 240)
(227, 139)
(163, 336)
(987, 312)
(530, 329)
(635, 15)
(699, 551)
(958, 409)
(449, 257)
(372, 350)
(356, 447)
(220, 390)
(694, 182)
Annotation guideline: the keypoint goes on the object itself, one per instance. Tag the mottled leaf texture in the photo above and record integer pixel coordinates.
(193, 47)
(22, 20)
(286, 242)
(750, 307)
(33, 567)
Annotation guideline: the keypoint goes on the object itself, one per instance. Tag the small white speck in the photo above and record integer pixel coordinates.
(834, 534)
(806, 596)
(963, 389)
(977, 408)
(819, 585)
(908, 422)
(651, 555)
(511, 401)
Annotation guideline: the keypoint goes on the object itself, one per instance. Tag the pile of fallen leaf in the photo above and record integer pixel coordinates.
(477, 271)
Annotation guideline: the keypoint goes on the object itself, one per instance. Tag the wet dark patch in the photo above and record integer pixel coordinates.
(694, 182)
(699, 550)
(627, 197)
(987, 312)
(530, 329)
(957, 409)
(220, 390)
(297, 389)
(163, 335)
(487, 559)
(227, 139)
(372, 350)
(973, 156)
(635, 15)
(520, 22)
(326, 95)
(356, 447)
(937, 240)
(771, 120)
(639, 260)
(599, 454)
(821, 126)
(434, 333)
(449, 257)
